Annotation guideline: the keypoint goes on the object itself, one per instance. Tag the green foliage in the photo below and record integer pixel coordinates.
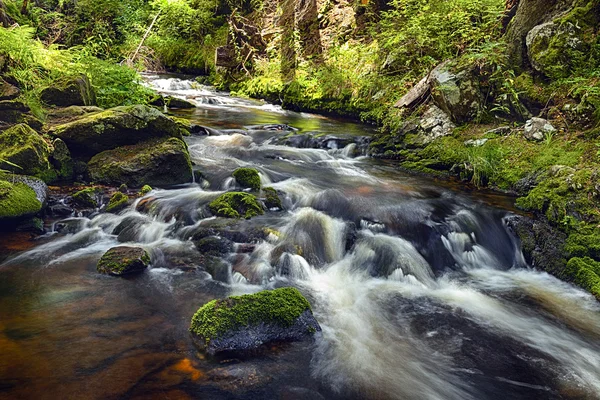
(280, 306)
(247, 178)
(236, 205)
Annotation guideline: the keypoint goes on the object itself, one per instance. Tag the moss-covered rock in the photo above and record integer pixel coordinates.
(87, 197)
(145, 190)
(241, 323)
(61, 159)
(158, 162)
(24, 147)
(236, 205)
(123, 260)
(174, 102)
(117, 202)
(585, 272)
(247, 178)
(17, 201)
(456, 93)
(119, 126)
(272, 199)
(72, 92)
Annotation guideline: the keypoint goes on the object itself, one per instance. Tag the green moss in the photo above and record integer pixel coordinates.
(87, 197)
(236, 205)
(280, 306)
(584, 242)
(24, 147)
(145, 190)
(117, 202)
(247, 178)
(585, 272)
(272, 199)
(17, 199)
(121, 260)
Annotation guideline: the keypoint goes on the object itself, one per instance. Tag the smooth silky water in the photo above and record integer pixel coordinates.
(421, 290)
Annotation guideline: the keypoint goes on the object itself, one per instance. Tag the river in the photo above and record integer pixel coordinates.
(421, 290)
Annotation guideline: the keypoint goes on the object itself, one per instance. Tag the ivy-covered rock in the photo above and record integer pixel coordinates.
(236, 205)
(87, 197)
(158, 162)
(247, 178)
(242, 323)
(24, 147)
(73, 92)
(123, 260)
(117, 202)
(119, 126)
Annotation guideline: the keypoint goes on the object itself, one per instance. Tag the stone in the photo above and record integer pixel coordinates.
(8, 91)
(457, 93)
(236, 205)
(74, 92)
(475, 142)
(18, 200)
(247, 178)
(537, 129)
(117, 202)
(243, 323)
(174, 102)
(123, 260)
(61, 159)
(215, 245)
(157, 162)
(435, 123)
(115, 127)
(272, 200)
(23, 150)
(88, 197)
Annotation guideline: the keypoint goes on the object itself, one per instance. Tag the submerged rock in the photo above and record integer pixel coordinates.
(158, 162)
(247, 178)
(236, 205)
(75, 92)
(119, 126)
(241, 323)
(123, 260)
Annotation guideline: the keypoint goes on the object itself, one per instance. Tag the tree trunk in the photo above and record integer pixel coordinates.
(529, 14)
(287, 23)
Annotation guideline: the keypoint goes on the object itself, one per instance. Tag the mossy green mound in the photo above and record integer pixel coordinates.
(281, 307)
(236, 205)
(119, 126)
(247, 178)
(123, 260)
(87, 197)
(158, 162)
(145, 190)
(17, 200)
(117, 202)
(24, 147)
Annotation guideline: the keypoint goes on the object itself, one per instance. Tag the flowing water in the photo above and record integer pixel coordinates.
(421, 290)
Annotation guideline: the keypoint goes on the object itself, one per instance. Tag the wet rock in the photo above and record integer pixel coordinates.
(456, 93)
(24, 147)
(237, 231)
(158, 162)
(247, 178)
(215, 245)
(76, 92)
(117, 202)
(8, 91)
(89, 197)
(242, 323)
(123, 260)
(61, 159)
(119, 126)
(236, 205)
(274, 127)
(13, 111)
(128, 228)
(272, 200)
(21, 197)
(537, 129)
(174, 102)
(475, 142)
(61, 210)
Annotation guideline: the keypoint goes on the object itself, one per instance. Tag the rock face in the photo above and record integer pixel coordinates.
(21, 197)
(76, 92)
(457, 94)
(123, 260)
(242, 323)
(158, 162)
(236, 205)
(24, 147)
(119, 126)
(536, 129)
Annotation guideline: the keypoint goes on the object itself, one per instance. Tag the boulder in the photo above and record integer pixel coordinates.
(15, 112)
(74, 92)
(247, 178)
(536, 129)
(117, 202)
(215, 245)
(174, 102)
(8, 91)
(236, 205)
(434, 124)
(115, 127)
(61, 159)
(21, 197)
(242, 323)
(123, 260)
(88, 197)
(272, 200)
(457, 93)
(157, 162)
(22, 146)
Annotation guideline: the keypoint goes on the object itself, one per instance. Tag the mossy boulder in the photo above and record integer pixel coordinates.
(72, 92)
(123, 260)
(158, 162)
(145, 190)
(236, 205)
(247, 178)
(242, 323)
(17, 201)
(87, 197)
(61, 160)
(174, 102)
(117, 202)
(272, 200)
(24, 147)
(115, 127)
